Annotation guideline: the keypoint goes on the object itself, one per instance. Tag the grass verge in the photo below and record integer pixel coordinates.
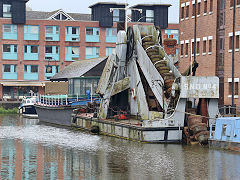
(8, 111)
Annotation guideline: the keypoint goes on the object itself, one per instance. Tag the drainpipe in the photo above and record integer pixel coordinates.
(195, 32)
(233, 49)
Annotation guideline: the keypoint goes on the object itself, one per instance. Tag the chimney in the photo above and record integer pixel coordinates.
(170, 44)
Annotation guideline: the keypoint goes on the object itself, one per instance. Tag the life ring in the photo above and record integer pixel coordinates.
(133, 93)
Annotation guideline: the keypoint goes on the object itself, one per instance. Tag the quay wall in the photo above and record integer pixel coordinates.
(10, 104)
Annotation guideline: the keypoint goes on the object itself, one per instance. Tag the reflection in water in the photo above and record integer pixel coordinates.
(32, 151)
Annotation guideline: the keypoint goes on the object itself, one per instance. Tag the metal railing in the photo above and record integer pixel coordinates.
(229, 111)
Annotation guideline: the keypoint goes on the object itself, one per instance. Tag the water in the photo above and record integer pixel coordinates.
(32, 151)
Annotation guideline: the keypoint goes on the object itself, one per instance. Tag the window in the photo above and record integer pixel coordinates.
(57, 49)
(205, 6)
(199, 9)
(116, 15)
(211, 5)
(7, 11)
(34, 49)
(238, 2)
(186, 50)
(237, 42)
(7, 28)
(193, 10)
(182, 16)
(6, 68)
(48, 49)
(15, 48)
(193, 47)
(231, 3)
(114, 31)
(187, 11)
(210, 46)
(230, 42)
(31, 32)
(89, 31)
(34, 69)
(111, 31)
(34, 29)
(49, 30)
(75, 50)
(6, 48)
(75, 30)
(97, 32)
(235, 88)
(15, 68)
(57, 29)
(150, 16)
(181, 49)
(48, 69)
(204, 46)
(97, 51)
(25, 68)
(31, 29)
(198, 47)
(89, 51)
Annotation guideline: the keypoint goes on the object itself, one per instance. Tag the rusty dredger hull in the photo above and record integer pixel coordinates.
(144, 96)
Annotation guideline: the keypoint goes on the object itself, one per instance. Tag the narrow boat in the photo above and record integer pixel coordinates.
(57, 109)
(226, 135)
(82, 77)
(27, 107)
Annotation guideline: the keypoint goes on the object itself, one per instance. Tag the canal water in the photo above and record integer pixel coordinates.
(32, 151)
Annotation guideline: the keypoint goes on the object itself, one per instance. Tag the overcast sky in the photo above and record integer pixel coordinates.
(81, 6)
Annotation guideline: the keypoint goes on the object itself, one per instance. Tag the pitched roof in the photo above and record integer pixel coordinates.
(42, 15)
(77, 68)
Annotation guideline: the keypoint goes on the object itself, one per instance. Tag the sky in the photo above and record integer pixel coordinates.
(81, 6)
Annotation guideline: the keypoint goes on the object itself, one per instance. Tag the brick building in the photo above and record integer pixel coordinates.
(35, 48)
(213, 43)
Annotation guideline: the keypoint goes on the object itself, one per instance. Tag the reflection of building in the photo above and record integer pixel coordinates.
(36, 49)
(214, 42)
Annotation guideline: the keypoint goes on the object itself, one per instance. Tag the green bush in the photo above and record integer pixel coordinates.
(8, 111)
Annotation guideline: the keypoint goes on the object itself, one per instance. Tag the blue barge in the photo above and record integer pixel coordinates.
(226, 135)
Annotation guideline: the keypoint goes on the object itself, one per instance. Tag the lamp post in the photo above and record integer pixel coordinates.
(195, 33)
(233, 49)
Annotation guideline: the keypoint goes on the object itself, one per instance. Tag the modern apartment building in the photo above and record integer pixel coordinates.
(40, 44)
(213, 43)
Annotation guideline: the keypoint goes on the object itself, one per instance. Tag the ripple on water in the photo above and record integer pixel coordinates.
(50, 136)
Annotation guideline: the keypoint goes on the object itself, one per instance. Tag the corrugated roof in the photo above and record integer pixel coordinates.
(78, 68)
(42, 15)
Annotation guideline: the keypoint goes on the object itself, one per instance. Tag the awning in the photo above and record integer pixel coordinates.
(22, 83)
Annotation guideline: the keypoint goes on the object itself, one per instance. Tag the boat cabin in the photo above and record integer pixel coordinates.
(82, 77)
